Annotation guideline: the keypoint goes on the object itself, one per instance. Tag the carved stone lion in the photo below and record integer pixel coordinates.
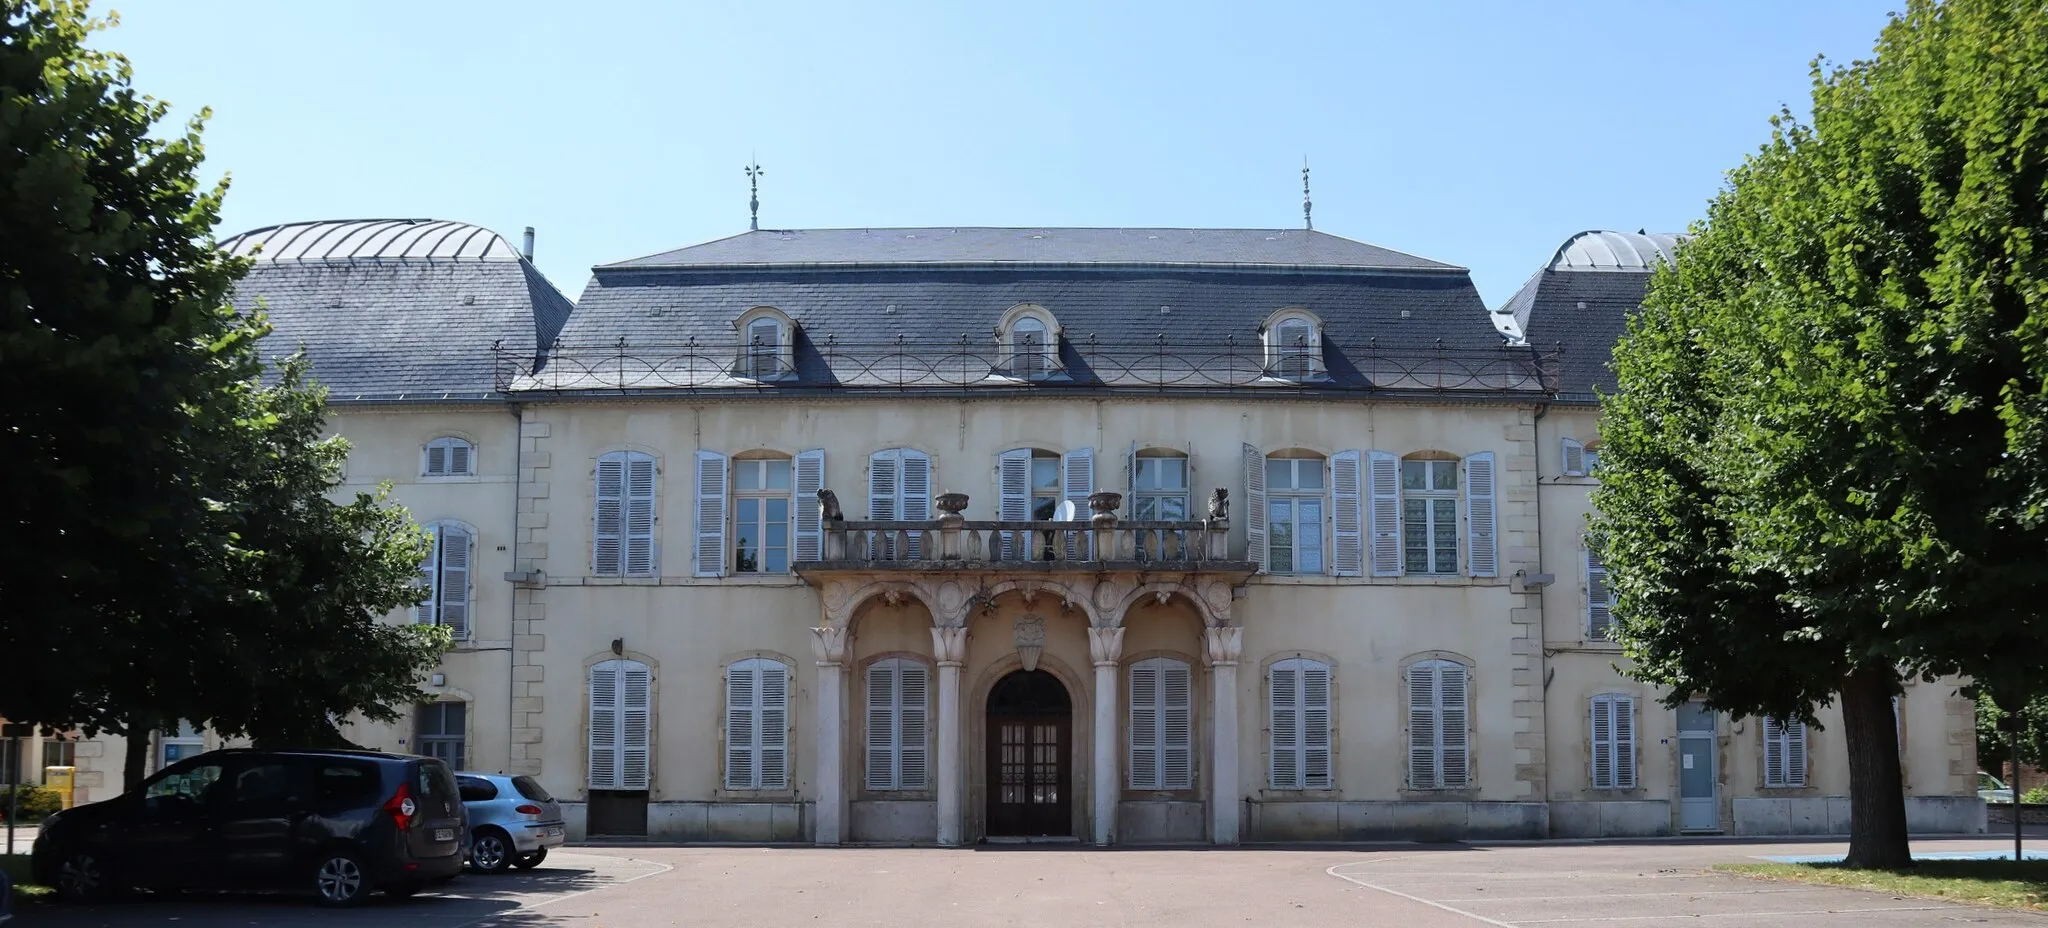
(1219, 504)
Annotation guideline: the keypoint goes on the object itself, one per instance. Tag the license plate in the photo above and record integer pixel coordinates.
(444, 834)
(554, 832)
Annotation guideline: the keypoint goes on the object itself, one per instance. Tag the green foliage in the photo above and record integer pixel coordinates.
(37, 803)
(171, 550)
(1994, 739)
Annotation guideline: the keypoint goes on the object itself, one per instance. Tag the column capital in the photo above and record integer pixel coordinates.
(949, 645)
(1225, 644)
(828, 642)
(1106, 645)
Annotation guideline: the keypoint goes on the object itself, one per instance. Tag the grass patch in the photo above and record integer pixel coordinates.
(2021, 885)
(16, 866)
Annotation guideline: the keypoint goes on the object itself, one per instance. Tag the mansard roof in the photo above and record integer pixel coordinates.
(397, 309)
(1582, 299)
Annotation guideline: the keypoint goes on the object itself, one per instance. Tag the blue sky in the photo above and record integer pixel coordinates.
(1478, 133)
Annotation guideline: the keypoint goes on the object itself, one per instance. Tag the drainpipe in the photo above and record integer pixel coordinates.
(512, 611)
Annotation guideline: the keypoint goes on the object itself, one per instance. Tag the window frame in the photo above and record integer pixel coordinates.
(898, 707)
(763, 495)
(434, 571)
(621, 708)
(1045, 363)
(1439, 746)
(1430, 497)
(1294, 497)
(1301, 362)
(749, 357)
(1158, 726)
(1791, 743)
(179, 737)
(1599, 593)
(1621, 742)
(447, 445)
(625, 537)
(1304, 744)
(425, 743)
(762, 725)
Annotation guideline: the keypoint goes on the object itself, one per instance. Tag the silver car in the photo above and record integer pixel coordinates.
(512, 821)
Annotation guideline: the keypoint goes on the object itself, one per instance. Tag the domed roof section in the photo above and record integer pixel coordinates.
(1615, 251)
(372, 240)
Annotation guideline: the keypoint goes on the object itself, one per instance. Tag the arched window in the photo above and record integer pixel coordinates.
(1030, 485)
(442, 731)
(448, 456)
(1162, 725)
(1295, 501)
(757, 725)
(623, 539)
(1439, 713)
(1581, 458)
(1614, 741)
(1299, 700)
(621, 725)
(1030, 342)
(898, 735)
(1294, 345)
(445, 575)
(767, 344)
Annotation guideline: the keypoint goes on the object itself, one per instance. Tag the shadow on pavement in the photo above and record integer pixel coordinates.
(471, 898)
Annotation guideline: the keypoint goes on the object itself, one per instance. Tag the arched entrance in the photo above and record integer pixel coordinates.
(1030, 756)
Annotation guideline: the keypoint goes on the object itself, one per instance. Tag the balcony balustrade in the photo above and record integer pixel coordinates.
(1100, 543)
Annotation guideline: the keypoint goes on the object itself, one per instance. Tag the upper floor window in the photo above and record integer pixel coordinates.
(1294, 345)
(767, 344)
(770, 527)
(1288, 495)
(1429, 515)
(757, 725)
(623, 541)
(1599, 599)
(1439, 744)
(448, 456)
(1581, 458)
(1162, 725)
(1030, 341)
(1422, 504)
(1159, 486)
(762, 515)
(445, 575)
(899, 489)
(1294, 502)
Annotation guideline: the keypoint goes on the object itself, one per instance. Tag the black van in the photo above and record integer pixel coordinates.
(338, 824)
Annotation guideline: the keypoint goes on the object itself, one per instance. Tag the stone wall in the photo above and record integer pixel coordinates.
(1613, 819)
(1829, 815)
(2031, 813)
(711, 822)
(1395, 821)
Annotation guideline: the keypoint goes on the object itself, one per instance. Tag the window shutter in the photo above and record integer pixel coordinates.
(430, 580)
(458, 457)
(454, 550)
(912, 738)
(607, 558)
(1624, 742)
(883, 485)
(1077, 476)
(1422, 726)
(1255, 508)
(1383, 513)
(881, 759)
(810, 478)
(437, 459)
(1177, 727)
(1013, 489)
(1347, 516)
(1795, 754)
(1454, 714)
(640, 560)
(1574, 463)
(711, 502)
(1599, 610)
(604, 726)
(1481, 558)
(915, 496)
(635, 718)
(742, 683)
(1131, 482)
(1315, 726)
(1286, 727)
(1774, 753)
(1145, 699)
(772, 727)
(1603, 742)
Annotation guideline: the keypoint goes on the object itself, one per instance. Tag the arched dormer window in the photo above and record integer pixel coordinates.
(448, 456)
(767, 344)
(1294, 345)
(1029, 338)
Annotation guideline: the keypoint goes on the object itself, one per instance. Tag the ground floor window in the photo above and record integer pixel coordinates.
(185, 741)
(59, 752)
(1784, 754)
(444, 733)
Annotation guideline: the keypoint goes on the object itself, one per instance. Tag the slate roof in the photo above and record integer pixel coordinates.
(980, 246)
(1582, 299)
(397, 310)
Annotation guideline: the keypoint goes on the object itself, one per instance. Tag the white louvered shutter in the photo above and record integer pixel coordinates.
(742, 703)
(1603, 742)
(1131, 482)
(1599, 607)
(609, 534)
(1574, 458)
(458, 457)
(1013, 493)
(1145, 725)
(437, 458)
(1255, 508)
(1454, 713)
(604, 726)
(1774, 753)
(711, 502)
(456, 549)
(810, 478)
(636, 718)
(1176, 727)
(1347, 515)
(1286, 726)
(1077, 477)
(912, 726)
(1481, 558)
(1624, 742)
(915, 494)
(1383, 512)
(881, 746)
(1315, 726)
(1423, 725)
(430, 580)
(772, 727)
(883, 485)
(640, 552)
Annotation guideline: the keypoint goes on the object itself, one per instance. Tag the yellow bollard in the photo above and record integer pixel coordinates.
(60, 779)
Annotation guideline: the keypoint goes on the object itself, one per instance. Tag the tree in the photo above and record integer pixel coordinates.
(171, 551)
(1827, 463)
(1994, 737)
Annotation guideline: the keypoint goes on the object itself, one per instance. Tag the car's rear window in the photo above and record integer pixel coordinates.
(346, 781)
(530, 788)
(436, 782)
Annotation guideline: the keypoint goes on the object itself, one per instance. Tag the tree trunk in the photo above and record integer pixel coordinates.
(1877, 795)
(135, 764)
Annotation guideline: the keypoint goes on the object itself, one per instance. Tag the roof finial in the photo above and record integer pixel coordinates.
(1306, 222)
(754, 173)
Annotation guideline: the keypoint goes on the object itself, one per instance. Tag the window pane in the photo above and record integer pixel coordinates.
(1173, 473)
(1309, 536)
(1415, 536)
(1445, 474)
(1045, 473)
(1280, 537)
(1414, 475)
(1444, 535)
(778, 560)
(1279, 474)
(764, 332)
(778, 475)
(1308, 473)
(750, 513)
(778, 512)
(778, 534)
(1042, 507)
(1147, 509)
(1173, 508)
(747, 474)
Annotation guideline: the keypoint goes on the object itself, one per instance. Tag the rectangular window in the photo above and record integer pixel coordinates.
(1599, 601)
(1614, 741)
(624, 532)
(1429, 516)
(1162, 725)
(1046, 491)
(897, 735)
(58, 752)
(1299, 697)
(1784, 754)
(1159, 488)
(757, 725)
(1294, 522)
(443, 732)
(621, 725)
(764, 349)
(186, 741)
(445, 574)
(1439, 753)
(762, 514)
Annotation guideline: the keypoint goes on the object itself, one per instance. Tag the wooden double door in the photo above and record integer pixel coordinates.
(1030, 757)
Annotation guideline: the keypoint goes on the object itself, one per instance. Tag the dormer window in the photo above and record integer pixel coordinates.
(767, 345)
(1294, 345)
(448, 456)
(1030, 341)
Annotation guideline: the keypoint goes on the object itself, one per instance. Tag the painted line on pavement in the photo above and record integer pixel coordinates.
(1678, 892)
(1646, 918)
(1395, 892)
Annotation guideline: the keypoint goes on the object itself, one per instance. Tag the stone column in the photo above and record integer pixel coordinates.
(949, 645)
(1224, 646)
(1105, 647)
(829, 643)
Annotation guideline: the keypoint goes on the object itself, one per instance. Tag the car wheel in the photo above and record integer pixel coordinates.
(81, 878)
(530, 861)
(341, 880)
(491, 851)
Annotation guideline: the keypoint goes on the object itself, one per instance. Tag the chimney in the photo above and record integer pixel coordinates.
(527, 251)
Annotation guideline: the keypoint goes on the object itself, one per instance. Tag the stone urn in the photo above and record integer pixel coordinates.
(951, 503)
(1104, 504)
